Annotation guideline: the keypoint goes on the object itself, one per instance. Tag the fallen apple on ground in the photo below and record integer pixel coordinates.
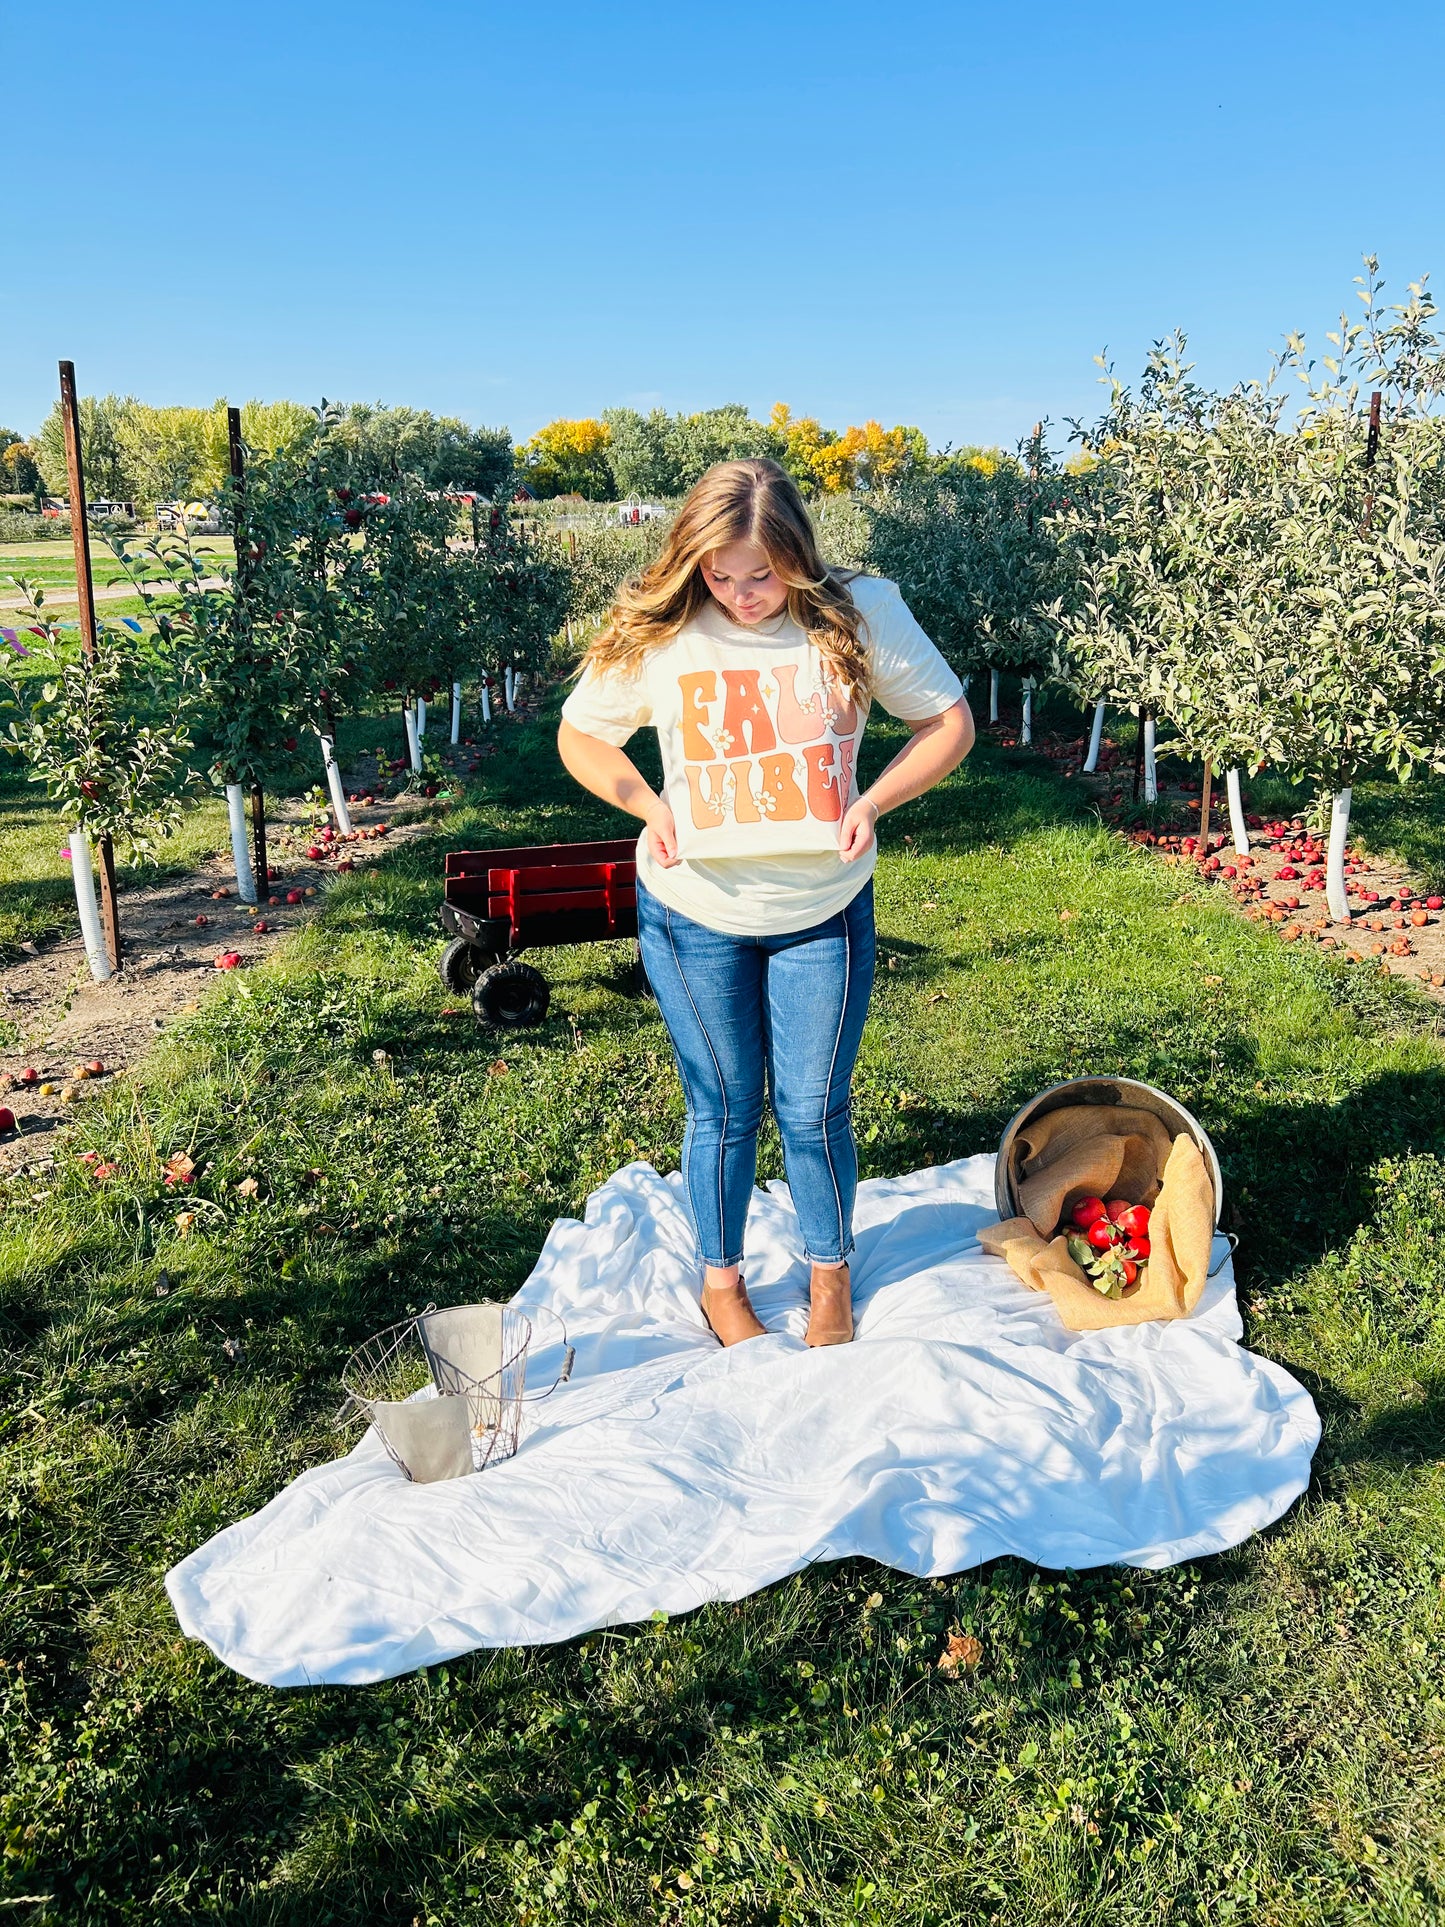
(8, 1120)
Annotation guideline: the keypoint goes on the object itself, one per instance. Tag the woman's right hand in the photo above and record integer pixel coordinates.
(661, 835)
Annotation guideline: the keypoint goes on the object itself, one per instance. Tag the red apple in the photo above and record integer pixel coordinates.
(7, 1120)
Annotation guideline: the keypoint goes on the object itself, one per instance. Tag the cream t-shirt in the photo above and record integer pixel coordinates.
(759, 756)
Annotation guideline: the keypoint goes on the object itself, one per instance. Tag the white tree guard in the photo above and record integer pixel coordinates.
(993, 695)
(1238, 828)
(456, 714)
(240, 847)
(1096, 738)
(486, 699)
(1335, 897)
(333, 783)
(511, 689)
(421, 718)
(1026, 734)
(413, 741)
(83, 876)
(1151, 766)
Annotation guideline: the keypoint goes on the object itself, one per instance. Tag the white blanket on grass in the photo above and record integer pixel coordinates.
(963, 1423)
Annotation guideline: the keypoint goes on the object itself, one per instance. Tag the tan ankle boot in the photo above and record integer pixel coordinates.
(728, 1310)
(830, 1321)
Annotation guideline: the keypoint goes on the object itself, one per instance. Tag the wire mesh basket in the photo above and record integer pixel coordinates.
(444, 1390)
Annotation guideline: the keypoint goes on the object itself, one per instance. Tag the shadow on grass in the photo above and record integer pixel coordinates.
(1408, 1434)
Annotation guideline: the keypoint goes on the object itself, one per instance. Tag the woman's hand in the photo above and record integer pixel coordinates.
(611, 774)
(661, 835)
(855, 832)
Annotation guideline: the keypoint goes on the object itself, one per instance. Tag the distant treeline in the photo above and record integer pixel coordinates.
(142, 454)
(623, 452)
(136, 453)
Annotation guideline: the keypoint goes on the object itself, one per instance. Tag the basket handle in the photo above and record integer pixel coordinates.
(1232, 1242)
(569, 1358)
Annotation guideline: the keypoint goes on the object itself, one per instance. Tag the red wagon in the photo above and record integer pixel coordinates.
(496, 903)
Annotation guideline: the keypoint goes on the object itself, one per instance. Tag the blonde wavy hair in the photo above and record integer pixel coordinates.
(750, 501)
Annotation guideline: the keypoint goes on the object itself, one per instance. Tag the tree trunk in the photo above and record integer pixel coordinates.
(1204, 808)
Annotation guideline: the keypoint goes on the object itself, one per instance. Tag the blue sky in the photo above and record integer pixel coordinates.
(930, 213)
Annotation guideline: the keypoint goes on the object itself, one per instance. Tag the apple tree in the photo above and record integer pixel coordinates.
(107, 734)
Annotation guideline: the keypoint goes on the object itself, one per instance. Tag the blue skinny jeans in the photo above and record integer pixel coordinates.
(745, 1013)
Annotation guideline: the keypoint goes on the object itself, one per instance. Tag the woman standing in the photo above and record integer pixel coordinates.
(757, 664)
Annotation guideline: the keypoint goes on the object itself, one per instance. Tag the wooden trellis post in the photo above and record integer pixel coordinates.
(243, 587)
(85, 597)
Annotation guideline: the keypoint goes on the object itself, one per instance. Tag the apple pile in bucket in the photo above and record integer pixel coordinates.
(1109, 1242)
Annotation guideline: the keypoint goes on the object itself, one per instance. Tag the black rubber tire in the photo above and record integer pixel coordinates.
(511, 996)
(460, 965)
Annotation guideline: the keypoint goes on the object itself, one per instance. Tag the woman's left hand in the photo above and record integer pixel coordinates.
(855, 832)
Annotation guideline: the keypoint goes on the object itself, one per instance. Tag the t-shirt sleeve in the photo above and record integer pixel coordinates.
(910, 677)
(612, 708)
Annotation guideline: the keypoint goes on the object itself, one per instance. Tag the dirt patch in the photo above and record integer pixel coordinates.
(1395, 926)
(173, 932)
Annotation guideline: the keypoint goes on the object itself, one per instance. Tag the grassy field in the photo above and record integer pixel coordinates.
(1260, 1738)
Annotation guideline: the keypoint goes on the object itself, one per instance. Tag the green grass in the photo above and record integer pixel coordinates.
(1258, 1738)
(52, 564)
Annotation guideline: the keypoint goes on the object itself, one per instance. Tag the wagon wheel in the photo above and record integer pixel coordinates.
(511, 996)
(460, 965)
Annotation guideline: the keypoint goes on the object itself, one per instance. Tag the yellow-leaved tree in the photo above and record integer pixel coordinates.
(568, 458)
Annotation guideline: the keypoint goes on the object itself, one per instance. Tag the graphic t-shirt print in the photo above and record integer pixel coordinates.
(766, 749)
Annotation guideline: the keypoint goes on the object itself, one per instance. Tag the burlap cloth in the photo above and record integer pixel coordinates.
(1108, 1151)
